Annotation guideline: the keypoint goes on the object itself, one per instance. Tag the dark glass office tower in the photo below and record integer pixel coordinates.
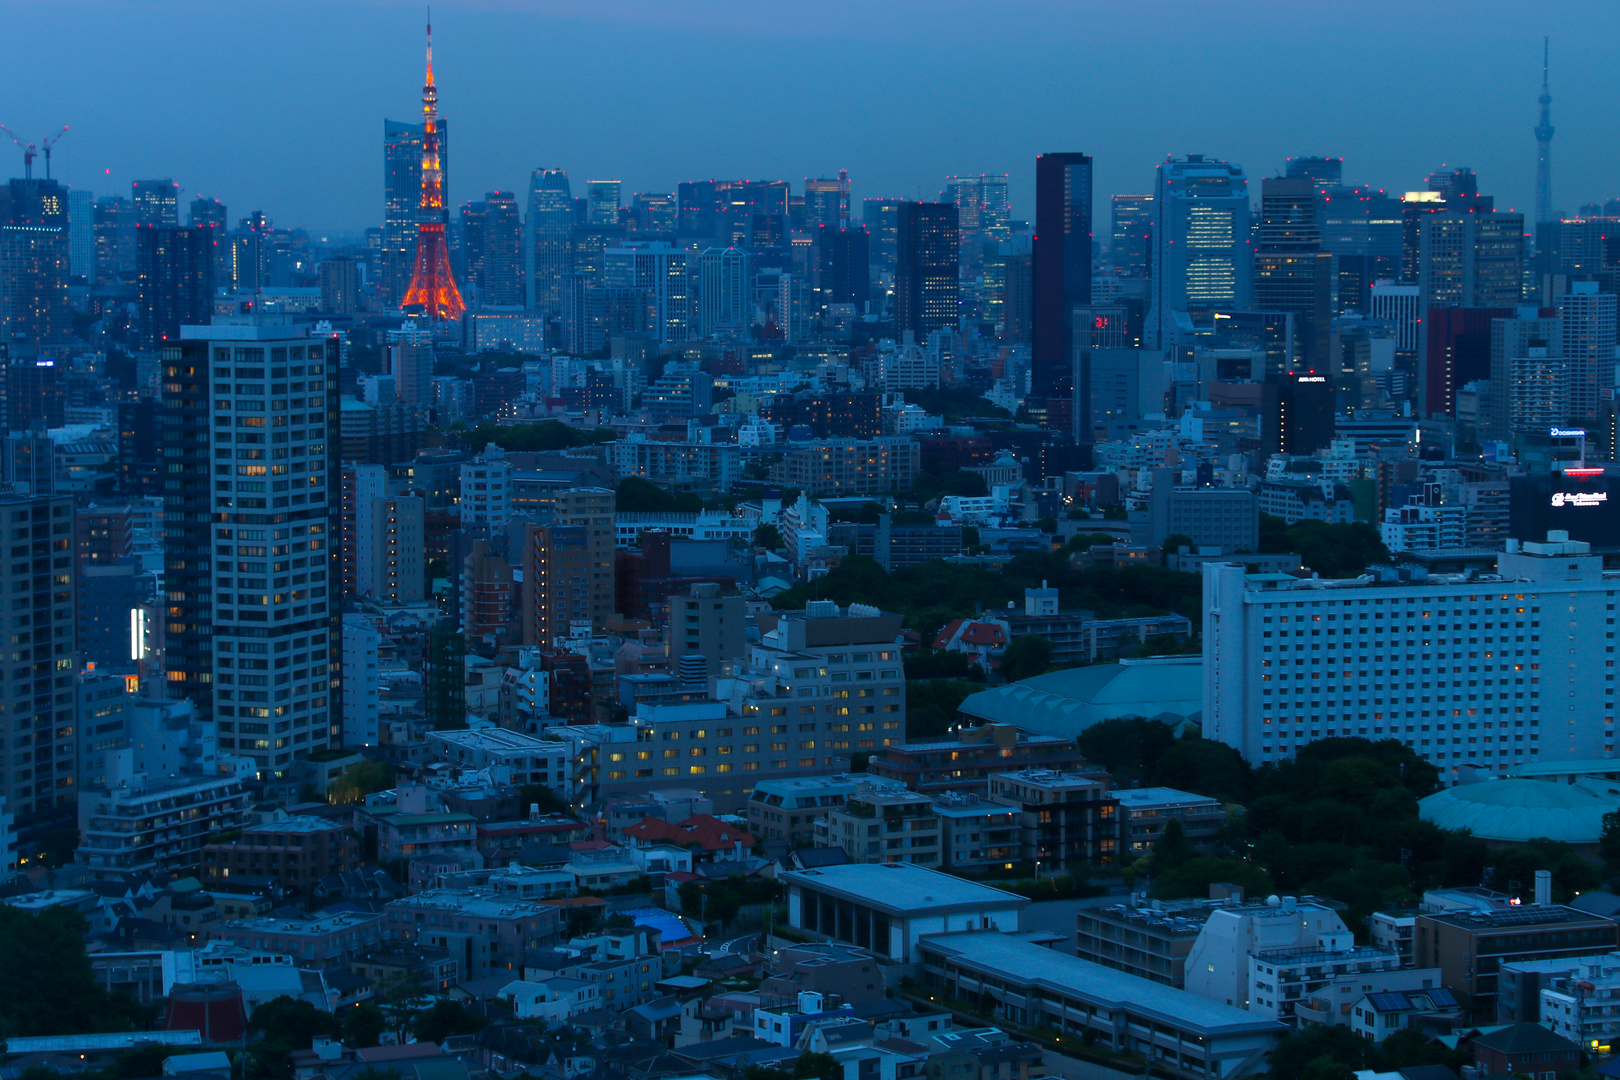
(1061, 265)
(926, 279)
(845, 270)
(174, 280)
(34, 260)
(503, 283)
(157, 203)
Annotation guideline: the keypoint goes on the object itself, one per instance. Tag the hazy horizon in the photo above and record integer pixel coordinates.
(280, 107)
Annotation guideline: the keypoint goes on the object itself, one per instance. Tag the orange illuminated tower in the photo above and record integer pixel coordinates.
(433, 287)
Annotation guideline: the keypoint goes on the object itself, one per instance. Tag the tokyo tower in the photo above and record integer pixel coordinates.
(433, 287)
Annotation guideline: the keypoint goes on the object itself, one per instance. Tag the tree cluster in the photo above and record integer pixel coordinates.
(545, 436)
(1333, 550)
(46, 984)
(720, 900)
(1339, 820)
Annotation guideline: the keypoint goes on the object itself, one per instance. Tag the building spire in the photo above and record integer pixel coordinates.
(1544, 134)
(433, 287)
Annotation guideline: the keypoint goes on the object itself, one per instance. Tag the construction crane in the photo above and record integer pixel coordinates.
(45, 145)
(30, 151)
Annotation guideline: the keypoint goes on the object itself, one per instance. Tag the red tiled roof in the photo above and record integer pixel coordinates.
(706, 830)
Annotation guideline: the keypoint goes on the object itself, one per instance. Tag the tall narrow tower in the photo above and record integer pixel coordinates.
(433, 287)
(1544, 134)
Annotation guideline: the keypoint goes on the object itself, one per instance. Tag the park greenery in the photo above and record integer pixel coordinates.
(358, 781)
(1340, 820)
(543, 436)
(931, 594)
(1337, 550)
(955, 403)
(46, 983)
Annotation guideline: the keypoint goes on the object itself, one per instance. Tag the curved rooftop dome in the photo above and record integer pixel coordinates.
(1517, 810)
(1065, 703)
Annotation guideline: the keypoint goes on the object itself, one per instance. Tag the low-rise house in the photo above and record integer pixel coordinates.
(327, 941)
(1379, 1015)
(294, 852)
(1526, 1049)
(485, 932)
(555, 1000)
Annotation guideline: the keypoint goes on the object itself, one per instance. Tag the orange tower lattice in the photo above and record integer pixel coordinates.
(433, 286)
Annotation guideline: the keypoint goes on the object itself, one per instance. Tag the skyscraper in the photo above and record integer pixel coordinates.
(503, 250)
(402, 199)
(115, 238)
(1323, 173)
(433, 287)
(652, 212)
(844, 268)
(658, 268)
(826, 202)
(34, 260)
(473, 219)
(174, 280)
(82, 234)
(38, 776)
(723, 302)
(1061, 262)
(1291, 272)
(157, 203)
(591, 510)
(1587, 319)
(1544, 136)
(603, 198)
(251, 568)
(551, 224)
(1201, 253)
(926, 277)
(211, 212)
(882, 220)
(340, 285)
(1131, 235)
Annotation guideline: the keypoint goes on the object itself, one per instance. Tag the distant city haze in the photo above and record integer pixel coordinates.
(279, 106)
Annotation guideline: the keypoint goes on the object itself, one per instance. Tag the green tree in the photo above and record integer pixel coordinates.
(810, 1066)
(46, 983)
(1026, 657)
(143, 1061)
(941, 664)
(1129, 747)
(637, 495)
(544, 797)
(444, 1019)
(361, 780)
(544, 436)
(1333, 550)
(1172, 848)
(1319, 1051)
(363, 1024)
(1609, 843)
(768, 536)
(282, 1026)
(1194, 877)
(931, 705)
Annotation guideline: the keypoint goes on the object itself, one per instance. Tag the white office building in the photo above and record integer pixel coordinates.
(1488, 670)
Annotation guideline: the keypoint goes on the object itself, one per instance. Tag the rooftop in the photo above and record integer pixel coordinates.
(1023, 962)
(902, 888)
(1151, 797)
(302, 823)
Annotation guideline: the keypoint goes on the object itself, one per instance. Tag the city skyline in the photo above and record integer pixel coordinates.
(498, 61)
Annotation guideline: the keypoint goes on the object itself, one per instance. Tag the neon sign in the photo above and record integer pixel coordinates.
(1579, 498)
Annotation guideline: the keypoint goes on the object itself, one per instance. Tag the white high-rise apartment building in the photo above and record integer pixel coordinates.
(268, 614)
(1485, 670)
(1587, 321)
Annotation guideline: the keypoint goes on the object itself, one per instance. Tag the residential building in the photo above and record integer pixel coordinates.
(328, 941)
(783, 813)
(1187, 1037)
(1219, 964)
(531, 760)
(836, 971)
(486, 933)
(1580, 1004)
(977, 835)
(1470, 947)
(1318, 982)
(1068, 819)
(231, 612)
(966, 763)
(174, 280)
(1145, 812)
(1381, 1013)
(887, 908)
(159, 826)
(707, 632)
(850, 466)
(591, 509)
(883, 825)
(1526, 1050)
(556, 582)
(296, 852)
(1149, 939)
(39, 787)
(1260, 700)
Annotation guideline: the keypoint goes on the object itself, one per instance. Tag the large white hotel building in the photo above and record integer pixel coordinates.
(1486, 670)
